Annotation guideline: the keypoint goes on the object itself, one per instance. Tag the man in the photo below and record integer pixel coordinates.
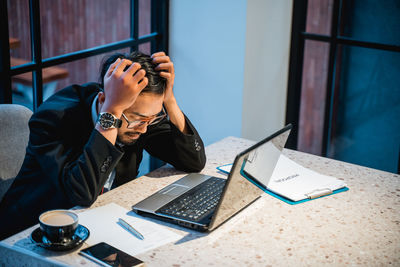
(84, 140)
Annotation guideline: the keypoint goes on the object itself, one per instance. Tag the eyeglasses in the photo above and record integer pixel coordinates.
(149, 121)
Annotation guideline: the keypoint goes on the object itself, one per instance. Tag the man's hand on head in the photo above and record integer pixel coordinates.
(167, 71)
(121, 88)
(166, 68)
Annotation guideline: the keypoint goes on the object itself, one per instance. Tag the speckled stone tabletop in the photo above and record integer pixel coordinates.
(357, 227)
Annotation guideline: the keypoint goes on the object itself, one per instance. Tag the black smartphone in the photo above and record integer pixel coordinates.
(107, 255)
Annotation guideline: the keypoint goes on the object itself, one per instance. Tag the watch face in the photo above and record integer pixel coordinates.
(106, 120)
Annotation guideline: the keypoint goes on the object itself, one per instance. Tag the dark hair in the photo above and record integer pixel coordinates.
(156, 84)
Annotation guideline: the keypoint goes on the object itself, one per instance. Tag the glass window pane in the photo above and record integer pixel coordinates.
(319, 14)
(313, 93)
(366, 124)
(145, 48)
(22, 90)
(18, 27)
(371, 20)
(69, 25)
(144, 17)
(51, 76)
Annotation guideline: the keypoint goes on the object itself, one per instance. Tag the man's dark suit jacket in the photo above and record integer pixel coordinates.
(67, 161)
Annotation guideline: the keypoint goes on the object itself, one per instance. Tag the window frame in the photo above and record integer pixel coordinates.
(299, 36)
(158, 39)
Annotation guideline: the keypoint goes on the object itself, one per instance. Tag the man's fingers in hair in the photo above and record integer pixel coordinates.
(139, 76)
(166, 66)
(121, 66)
(161, 59)
(143, 83)
(165, 75)
(112, 67)
(158, 54)
(133, 69)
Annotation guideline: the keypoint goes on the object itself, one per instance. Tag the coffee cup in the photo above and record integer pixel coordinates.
(58, 225)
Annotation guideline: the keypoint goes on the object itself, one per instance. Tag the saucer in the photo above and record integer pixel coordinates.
(81, 234)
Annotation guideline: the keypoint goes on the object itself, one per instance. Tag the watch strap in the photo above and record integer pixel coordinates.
(117, 122)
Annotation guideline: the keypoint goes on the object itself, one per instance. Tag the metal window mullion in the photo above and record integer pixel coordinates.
(341, 40)
(299, 16)
(154, 28)
(37, 79)
(372, 45)
(65, 58)
(134, 23)
(48, 62)
(331, 74)
(159, 24)
(5, 78)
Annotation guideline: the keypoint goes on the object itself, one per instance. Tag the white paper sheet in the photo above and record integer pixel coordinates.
(103, 227)
(294, 181)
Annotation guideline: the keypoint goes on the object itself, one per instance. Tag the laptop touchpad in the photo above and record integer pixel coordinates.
(174, 190)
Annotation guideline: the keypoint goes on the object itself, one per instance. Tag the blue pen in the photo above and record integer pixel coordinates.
(130, 229)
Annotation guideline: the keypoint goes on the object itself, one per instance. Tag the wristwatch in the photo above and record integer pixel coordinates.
(108, 121)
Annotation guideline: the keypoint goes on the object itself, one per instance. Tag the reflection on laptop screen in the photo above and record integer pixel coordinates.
(262, 160)
(258, 162)
(238, 193)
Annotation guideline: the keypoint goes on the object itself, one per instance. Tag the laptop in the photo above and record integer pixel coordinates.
(202, 202)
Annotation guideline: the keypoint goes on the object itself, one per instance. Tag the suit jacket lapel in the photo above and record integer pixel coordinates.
(126, 169)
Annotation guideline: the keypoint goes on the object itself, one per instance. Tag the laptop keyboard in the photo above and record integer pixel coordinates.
(196, 203)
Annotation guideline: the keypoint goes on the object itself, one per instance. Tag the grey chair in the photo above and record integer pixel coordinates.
(14, 134)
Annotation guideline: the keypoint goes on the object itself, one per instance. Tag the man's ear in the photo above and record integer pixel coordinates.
(101, 97)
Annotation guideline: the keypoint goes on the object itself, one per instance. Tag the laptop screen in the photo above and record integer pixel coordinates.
(257, 161)
(262, 160)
